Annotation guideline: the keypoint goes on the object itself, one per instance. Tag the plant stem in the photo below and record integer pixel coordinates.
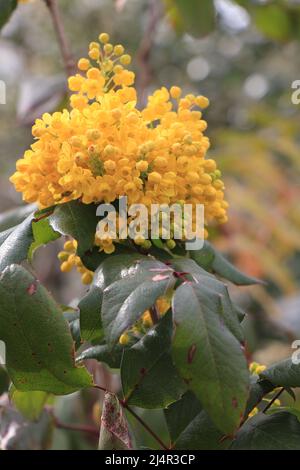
(277, 395)
(66, 53)
(145, 425)
(76, 427)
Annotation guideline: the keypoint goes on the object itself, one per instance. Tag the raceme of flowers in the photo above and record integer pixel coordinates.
(105, 147)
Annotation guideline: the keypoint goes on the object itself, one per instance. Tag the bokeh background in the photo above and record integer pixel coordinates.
(244, 55)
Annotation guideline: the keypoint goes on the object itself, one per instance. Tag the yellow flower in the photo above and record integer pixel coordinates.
(104, 147)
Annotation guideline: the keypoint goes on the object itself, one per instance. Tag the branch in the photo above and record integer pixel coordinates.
(145, 425)
(154, 314)
(277, 395)
(66, 53)
(76, 427)
(143, 54)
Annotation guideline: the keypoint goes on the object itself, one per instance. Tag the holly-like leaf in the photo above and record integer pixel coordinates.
(29, 404)
(43, 234)
(209, 357)
(278, 431)
(258, 389)
(114, 432)
(284, 374)
(90, 306)
(103, 353)
(216, 291)
(149, 378)
(6, 9)
(78, 221)
(126, 300)
(16, 246)
(196, 18)
(39, 346)
(191, 428)
(211, 260)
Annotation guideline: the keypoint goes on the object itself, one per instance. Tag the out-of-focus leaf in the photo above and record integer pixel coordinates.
(195, 17)
(13, 217)
(209, 357)
(4, 381)
(114, 432)
(30, 404)
(39, 95)
(39, 346)
(273, 21)
(6, 9)
(16, 433)
(148, 362)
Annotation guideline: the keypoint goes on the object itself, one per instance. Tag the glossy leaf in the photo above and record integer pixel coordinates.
(103, 353)
(278, 431)
(209, 357)
(126, 300)
(284, 374)
(43, 234)
(13, 217)
(6, 9)
(78, 221)
(149, 378)
(39, 347)
(16, 246)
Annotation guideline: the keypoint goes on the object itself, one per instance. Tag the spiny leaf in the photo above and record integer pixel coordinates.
(149, 378)
(39, 347)
(16, 246)
(209, 357)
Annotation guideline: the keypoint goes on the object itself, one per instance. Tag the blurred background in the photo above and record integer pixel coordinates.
(244, 55)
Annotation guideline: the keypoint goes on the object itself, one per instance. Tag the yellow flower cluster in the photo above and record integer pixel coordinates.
(69, 260)
(162, 305)
(256, 368)
(105, 147)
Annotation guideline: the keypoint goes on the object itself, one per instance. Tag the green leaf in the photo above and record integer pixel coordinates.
(216, 291)
(114, 432)
(149, 378)
(273, 21)
(13, 217)
(278, 431)
(209, 357)
(126, 300)
(283, 374)
(258, 390)
(211, 260)
(4, 380)
(6, 9)
(43, 234)
(103, 353)
(39, 347)
(90, 305)
(16, 246)
(72, 317)
(30, 404)
(78, 221)
(191, 428)
(16, 433)
(197, 17)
